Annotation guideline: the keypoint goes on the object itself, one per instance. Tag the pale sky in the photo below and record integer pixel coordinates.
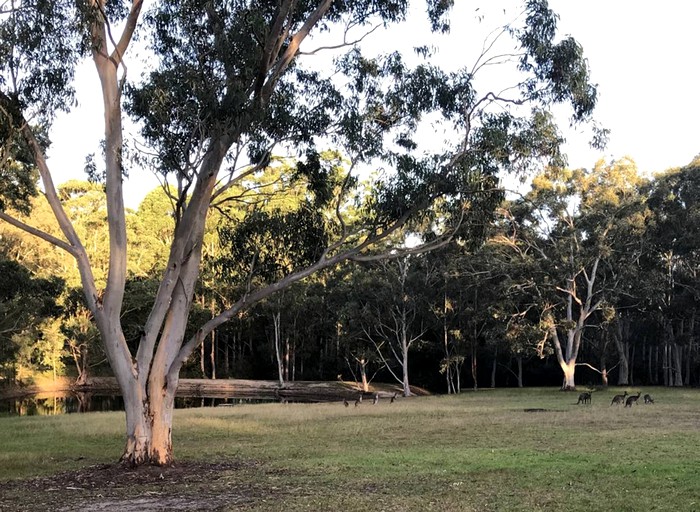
(644, 57)
(642, 54)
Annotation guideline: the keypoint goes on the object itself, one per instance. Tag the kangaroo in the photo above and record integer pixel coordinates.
(345, 402)
(618, 399)
(584, 398)
(648, 399)
(393, 398)
(632, 399)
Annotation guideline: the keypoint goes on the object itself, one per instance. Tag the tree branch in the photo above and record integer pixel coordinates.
(39, 234)
(292, 48)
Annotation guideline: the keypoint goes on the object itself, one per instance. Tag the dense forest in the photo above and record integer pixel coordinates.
(588, 270)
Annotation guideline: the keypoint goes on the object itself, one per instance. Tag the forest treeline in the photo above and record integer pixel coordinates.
(586, 276)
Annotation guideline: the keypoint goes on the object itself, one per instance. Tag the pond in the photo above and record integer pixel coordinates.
(50, 404)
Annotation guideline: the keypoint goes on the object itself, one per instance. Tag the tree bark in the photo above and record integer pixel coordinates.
(149, 425)
(569, 370)
(404, 354)
(623, 347)
(677, 365)
(278, 348)
(473, 367)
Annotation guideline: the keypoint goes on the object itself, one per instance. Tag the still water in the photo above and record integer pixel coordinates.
(48, 404)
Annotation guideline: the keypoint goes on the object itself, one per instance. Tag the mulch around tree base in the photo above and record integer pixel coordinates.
(183, 486)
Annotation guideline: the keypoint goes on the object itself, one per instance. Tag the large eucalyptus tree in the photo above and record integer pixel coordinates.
(226, 84)
(577, 233)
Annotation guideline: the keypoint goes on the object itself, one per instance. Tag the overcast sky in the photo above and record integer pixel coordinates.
(642, 54)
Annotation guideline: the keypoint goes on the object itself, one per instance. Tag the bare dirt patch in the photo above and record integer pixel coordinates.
(184, 486)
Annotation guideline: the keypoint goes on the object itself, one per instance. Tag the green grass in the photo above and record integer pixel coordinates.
(477, 451)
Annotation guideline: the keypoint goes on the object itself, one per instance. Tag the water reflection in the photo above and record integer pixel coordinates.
(47, 404)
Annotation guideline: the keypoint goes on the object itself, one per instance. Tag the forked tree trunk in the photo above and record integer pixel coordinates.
(569, 369)
(149, 427)
(575, 322)
(567, 362)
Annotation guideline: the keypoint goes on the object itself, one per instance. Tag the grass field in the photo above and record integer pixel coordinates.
(477, 451)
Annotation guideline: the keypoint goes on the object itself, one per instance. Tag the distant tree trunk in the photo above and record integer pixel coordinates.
(446, 346)
(201, 361)
(278, 349)
(621, 338)
(677, 365)
(213, 354)
(458, 372)
(569, 371)
(519, 362)
(604, 367)
(363, 374)
(493, 368)
(404, 353)
(287, 357)
(656, 364)
(80, 357)
(631, 366)
(294, 360)
(690, 350)
(227, 368)
(474, 372)
(567, 363)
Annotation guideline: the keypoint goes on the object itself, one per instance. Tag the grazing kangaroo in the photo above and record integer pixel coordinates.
(393, 398)
(632, 399)
(618, 399)
(648, 399)
(584, 398)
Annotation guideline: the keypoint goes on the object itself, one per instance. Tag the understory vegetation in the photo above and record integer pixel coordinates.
(528, 450)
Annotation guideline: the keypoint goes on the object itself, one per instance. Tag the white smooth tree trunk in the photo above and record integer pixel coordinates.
(278, 348)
